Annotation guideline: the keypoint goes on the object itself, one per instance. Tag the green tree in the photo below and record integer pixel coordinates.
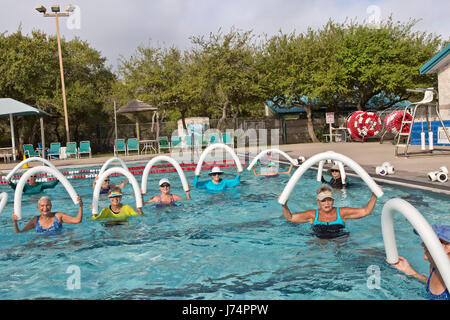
(226, 73)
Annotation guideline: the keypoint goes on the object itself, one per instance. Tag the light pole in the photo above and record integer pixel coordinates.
(56, 13)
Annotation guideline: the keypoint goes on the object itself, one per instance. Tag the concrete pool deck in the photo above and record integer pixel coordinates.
(410, 172)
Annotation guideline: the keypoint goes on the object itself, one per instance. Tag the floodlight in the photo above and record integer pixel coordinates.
(70, 8)
(55, 8)
(41, 9)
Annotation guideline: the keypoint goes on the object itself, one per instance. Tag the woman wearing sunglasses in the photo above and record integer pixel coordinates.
(116, 211)
(106, 186)
(216, 183)
(328, 221)
(336, 181)
(166, 198)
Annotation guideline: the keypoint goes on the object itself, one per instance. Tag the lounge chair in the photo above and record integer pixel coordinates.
(71, 149)
(228, 139)
(132, 145)
(119, 146)
(163, 144)
(55, 150)
(85, 148)
(176, 142)
(28, 151)
(213, 138)
(189, 141)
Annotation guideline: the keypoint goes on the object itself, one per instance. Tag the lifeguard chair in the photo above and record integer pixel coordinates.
(424, 108)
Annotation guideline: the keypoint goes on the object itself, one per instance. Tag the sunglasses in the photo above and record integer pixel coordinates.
(326, 199)
(216, 174)
(165, 185)
(334, 170)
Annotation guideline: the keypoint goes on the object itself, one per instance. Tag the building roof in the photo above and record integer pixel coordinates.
(136, 106)
(437, 62)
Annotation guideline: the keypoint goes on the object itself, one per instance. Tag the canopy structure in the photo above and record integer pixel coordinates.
(10, 108)
(136, 106)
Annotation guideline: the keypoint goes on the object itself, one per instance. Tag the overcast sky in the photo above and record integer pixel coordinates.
(116, 27)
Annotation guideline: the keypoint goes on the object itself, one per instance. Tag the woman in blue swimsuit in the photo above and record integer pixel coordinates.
(328, 221)
(435, 286)
(48, 221)
(166, 198)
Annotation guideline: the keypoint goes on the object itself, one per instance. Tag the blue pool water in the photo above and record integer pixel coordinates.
(230, 245)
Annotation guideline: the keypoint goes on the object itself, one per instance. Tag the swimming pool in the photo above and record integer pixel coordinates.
(230, 245)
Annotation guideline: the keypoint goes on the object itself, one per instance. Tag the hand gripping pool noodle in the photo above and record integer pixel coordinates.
(168, 159)
(44, 161)
(104, 175)
(3, 201)
(422, 227)
(215, 146)
(56, 173)
(109, 161)
(294, 162)
(334, 156)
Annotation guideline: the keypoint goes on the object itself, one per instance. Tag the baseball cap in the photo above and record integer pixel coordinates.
(442, 231)
(164, 180)
(215, 170)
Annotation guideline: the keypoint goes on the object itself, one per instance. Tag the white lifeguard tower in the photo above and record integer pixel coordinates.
(434, 104)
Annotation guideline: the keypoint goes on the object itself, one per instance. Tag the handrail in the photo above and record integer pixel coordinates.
(422, 227)
(324, 156)
(49, 170)
(170, 160)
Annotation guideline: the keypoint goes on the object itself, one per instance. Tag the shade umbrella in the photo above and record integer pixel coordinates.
(136, 105)
(10, 107)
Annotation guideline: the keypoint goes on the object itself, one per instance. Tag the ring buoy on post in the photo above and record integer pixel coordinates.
(107, 173)
(362, 125)
(170, 160)
(56, 173)
(393, 122)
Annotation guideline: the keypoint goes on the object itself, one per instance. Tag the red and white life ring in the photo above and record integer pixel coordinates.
(362, 125)
(393, 122)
